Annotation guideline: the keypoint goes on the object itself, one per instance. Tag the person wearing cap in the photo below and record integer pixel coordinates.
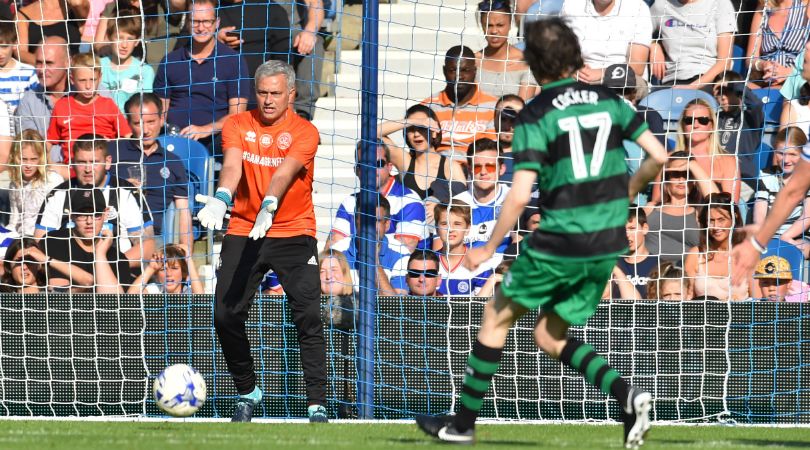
(84, 257)
(407, 212)
(128, 212)
(774, 281)
(739, 122)
(610, 32)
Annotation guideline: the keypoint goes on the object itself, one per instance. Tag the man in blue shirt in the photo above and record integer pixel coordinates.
(142, 161)
(201, 85)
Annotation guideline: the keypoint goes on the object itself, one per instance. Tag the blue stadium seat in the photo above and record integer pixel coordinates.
(670, 103)
(790, 252)
(771, 104)
(199, 166)
(738, 58)
(765, 154)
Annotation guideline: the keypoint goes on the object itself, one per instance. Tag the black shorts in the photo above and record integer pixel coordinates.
(244, 262)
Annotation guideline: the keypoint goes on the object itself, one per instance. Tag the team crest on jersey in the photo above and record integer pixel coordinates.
(266, 140)
(507, 279)
(165, 173)
(482, 229)
(112, 213)
(463, 287)
(250, 136)
(284, 140)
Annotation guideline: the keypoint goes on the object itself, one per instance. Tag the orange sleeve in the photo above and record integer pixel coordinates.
(306, 146)
(230, 134)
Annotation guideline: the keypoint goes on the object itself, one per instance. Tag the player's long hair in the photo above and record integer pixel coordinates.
(714, 143)
(31, 139)
(722, 201)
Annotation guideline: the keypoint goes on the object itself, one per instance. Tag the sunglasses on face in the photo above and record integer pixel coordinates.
(477, 168)
(381, 163)
(703, 120)
(672, 174)
(429, 273)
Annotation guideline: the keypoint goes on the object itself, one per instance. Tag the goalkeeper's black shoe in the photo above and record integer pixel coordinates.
(636, 417)
(243, 411)
(442, 428)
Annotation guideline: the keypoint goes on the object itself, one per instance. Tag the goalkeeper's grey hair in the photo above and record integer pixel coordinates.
(274, 67)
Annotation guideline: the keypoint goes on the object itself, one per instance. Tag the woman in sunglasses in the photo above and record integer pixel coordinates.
(697, 136)
(420, 161)
(22, 274)
(708, 264)
(672, 222)
(501, 69)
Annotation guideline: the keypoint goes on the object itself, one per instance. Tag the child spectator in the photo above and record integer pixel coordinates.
(787, 151)
(122, 74)
(636, 266)
(15, 77)
(22, 274)
(171, 271)
(84, 110)
(30, 181)
(667, 282)
(774, 282)
(453, 224)
(739, 123)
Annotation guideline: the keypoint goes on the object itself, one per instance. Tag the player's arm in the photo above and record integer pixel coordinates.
(747, 254)
(283, 177)
(516, 200)
(651, 166)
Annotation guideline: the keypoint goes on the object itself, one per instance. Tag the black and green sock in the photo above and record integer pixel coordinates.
(582, 358)
(481, 366)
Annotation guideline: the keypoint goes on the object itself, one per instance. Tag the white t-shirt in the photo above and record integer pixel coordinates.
(689, 33)
(605, 39)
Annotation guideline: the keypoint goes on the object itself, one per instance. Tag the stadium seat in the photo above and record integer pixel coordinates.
(772, 105)
(200, 175)
(670, 103)
(738, 58)
(790, 252)
(765, 154)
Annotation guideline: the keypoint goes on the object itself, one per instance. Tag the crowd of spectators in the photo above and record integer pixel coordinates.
(87, 88)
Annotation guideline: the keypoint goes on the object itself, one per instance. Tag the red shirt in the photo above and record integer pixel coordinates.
(263, 149)
(71, 119)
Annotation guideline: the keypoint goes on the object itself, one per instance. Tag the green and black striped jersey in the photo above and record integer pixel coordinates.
(571, 135)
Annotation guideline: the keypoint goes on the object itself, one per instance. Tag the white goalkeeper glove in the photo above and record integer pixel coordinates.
(212, 215)
(264, 220)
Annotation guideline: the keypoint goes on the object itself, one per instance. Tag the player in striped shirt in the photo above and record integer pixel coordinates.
(569, 140)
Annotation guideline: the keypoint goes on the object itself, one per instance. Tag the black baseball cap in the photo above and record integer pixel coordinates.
(87, 199)
(619, 77)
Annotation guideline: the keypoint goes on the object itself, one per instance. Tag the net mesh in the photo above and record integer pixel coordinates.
(82, 354)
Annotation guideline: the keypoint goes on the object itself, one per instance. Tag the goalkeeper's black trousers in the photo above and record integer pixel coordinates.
(243, 264)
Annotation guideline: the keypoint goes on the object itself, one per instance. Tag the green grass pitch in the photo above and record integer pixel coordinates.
(117, 435)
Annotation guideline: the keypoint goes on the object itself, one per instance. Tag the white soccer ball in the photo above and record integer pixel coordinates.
(179, 390)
